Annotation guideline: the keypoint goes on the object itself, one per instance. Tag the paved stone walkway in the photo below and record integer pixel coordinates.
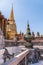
(39, 63)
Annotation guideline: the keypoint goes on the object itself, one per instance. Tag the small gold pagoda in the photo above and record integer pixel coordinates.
(11, 26)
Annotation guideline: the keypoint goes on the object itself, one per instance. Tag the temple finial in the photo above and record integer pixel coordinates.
(27, 22)
(12, 14)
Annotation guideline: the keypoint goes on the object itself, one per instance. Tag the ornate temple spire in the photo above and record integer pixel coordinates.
(12, 14)
(33, 35)
(28, 29)
(38, 34)
(28, 37)
(12, 29)
(28, 33)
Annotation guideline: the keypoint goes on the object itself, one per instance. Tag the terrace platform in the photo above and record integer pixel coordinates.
(19, 54)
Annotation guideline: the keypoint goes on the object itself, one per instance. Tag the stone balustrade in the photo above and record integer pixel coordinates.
(20, 59)
(18, 53)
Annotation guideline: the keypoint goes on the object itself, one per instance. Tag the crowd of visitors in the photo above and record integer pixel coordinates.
(34, 55)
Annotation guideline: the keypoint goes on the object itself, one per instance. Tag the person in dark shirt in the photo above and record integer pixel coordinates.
(7, 55)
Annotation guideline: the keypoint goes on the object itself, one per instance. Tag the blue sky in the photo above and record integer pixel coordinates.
(24, 10)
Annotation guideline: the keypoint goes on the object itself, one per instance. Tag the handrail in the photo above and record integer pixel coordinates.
(16, 60)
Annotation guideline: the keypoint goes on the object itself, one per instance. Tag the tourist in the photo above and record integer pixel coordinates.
(7, 55)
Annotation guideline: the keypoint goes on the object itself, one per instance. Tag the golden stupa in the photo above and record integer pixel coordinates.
(11, 27)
